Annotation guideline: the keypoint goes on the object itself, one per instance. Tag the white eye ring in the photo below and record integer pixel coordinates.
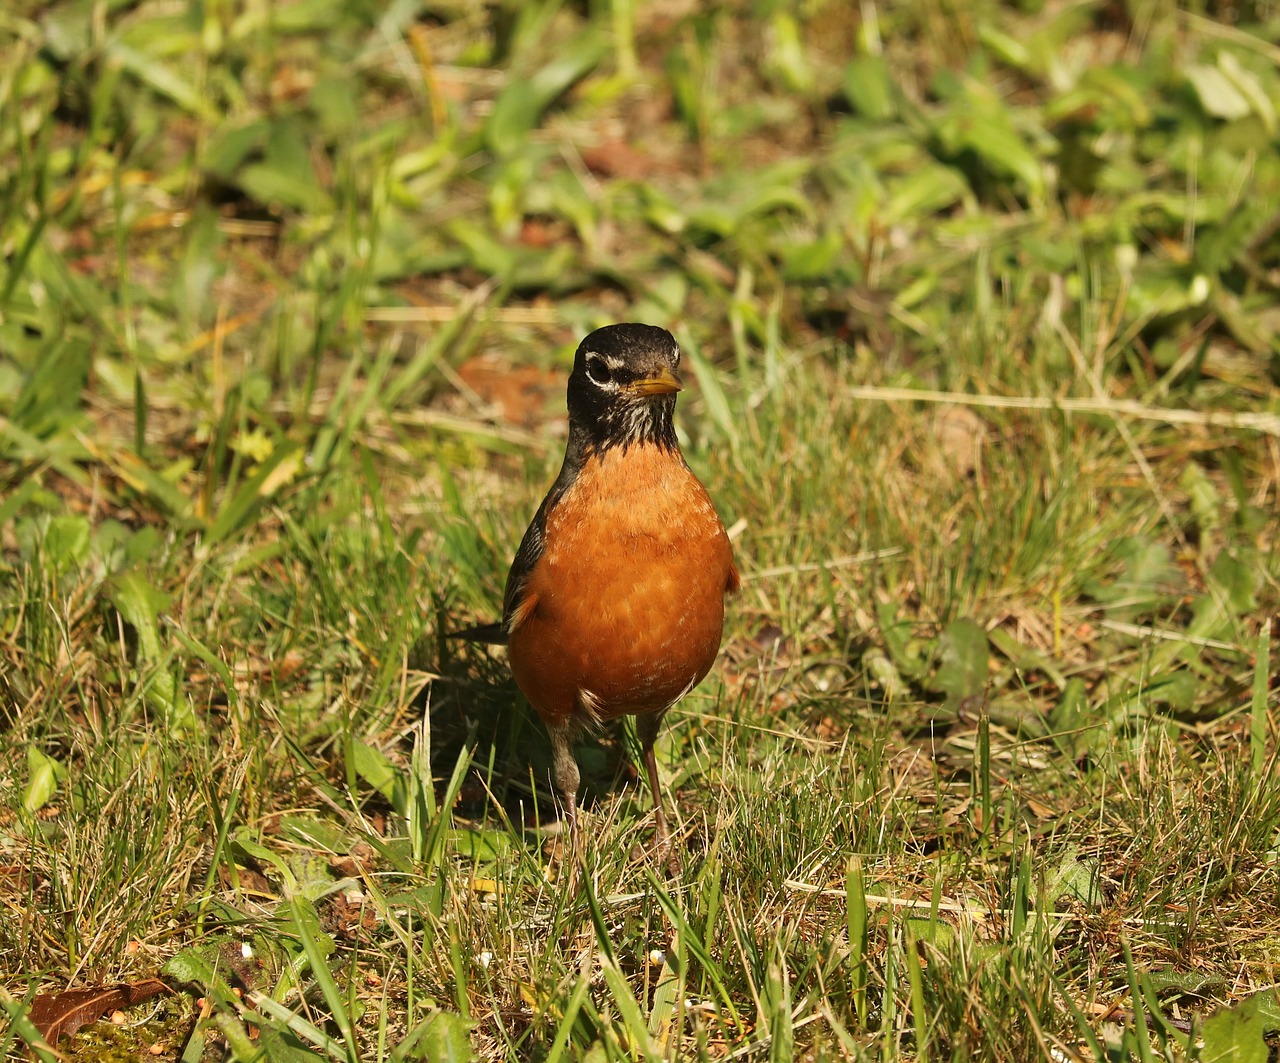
(598, 369)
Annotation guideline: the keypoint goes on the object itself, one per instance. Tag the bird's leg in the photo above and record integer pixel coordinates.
(647, 731)
(564, 769)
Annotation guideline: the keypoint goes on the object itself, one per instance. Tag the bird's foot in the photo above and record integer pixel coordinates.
(663, 849)
(563, 852)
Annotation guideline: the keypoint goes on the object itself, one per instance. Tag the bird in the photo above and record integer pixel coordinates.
(615, 601)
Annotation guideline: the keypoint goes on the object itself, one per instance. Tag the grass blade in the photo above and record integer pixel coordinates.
(1258, 702)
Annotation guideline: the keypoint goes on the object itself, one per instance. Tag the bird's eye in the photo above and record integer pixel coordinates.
(598, 369)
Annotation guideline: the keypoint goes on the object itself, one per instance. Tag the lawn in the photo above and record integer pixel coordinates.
(978, 304)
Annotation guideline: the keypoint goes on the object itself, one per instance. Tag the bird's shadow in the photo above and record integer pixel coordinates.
(474, 702)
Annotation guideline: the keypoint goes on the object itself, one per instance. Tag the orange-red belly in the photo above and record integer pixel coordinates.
(625, 608)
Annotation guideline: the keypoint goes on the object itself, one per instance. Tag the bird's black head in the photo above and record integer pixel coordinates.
(622, 390)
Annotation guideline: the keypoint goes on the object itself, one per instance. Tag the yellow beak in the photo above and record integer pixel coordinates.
(663, 382)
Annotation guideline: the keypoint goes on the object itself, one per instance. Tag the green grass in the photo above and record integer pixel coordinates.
(979, 308)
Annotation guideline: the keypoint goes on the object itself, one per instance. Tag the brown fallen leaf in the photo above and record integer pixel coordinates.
(619, 159)
(520, 392)
(61, 1014)
(960, 434)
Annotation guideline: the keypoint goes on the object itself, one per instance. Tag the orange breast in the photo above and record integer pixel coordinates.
(627, 600)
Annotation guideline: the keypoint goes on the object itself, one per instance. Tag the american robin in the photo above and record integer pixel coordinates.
(615, 600)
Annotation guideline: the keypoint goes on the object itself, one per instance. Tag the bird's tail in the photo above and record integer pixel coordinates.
(494, 634)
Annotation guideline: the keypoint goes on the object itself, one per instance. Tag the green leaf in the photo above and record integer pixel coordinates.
(925, 190)
(1006, 152)
(786, 59)
(1238, 578)
(629, 1010)
(1248, 86)
(262, 484)
(962, 664)
(521, 104)
(1218, 96)
(231, 144)
(373, 766)
(1235, 1035)
(905, 651)
(162, 79)
(1072, 727)
(66, 541)
(193, 966)
(1076, 879)
(442, 1037)
(318, 946)
(1147, 575)
(272, 185)
(482, 846)
(1024, 658)
(867, 87)
(713, 394)
(43, 775)
(811, 260)
(304, 16)
(140, 603)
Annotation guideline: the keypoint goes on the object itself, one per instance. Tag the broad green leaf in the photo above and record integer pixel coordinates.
(905, 650)
(43, 775)
(1008, 49)
(1238, 577)
(66, 541)
(442, 1037)
(925, 190)
(318, 833)
(1246, 83)
(301, 16)
(812, 260)
(273, 186)
(1006, 152)
(867, 87)
(786, 59)
(521, 104)
(1147, 575)
(197, 965)
(1072, 726)
(962, 663)
(52, 394)
(267, 478)
(1216, 92)
(374, 768)
(163, 79)
(1076, 879)
(272, 1043)
(712, 393)
(482, 846)
(1235, 1035)
(140, 603)
(232, 144)
(1024, 657)
(937, 932)
(1177, 689)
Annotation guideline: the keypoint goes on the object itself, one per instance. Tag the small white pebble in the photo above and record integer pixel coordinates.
(246, 950)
